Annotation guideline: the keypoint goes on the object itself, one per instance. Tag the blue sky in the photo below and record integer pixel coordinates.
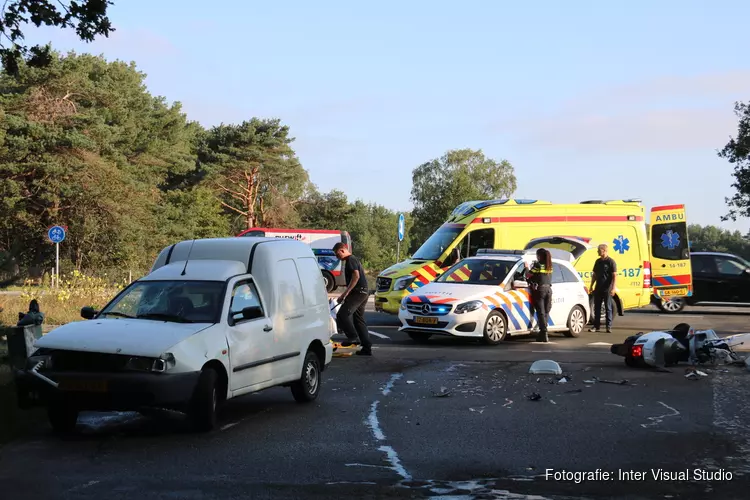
(588, 100)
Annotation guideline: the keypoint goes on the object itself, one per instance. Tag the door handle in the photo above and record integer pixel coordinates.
(267, 328)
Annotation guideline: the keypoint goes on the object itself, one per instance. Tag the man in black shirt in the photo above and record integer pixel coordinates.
(603, 287)
(354, 301)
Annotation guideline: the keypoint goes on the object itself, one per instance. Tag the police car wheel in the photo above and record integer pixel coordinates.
(495, 328)
(576, 322)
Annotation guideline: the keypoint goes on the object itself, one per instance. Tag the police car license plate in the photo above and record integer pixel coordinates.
(673, 292)
(425, 321)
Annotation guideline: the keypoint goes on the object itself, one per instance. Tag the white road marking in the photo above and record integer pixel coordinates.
(374, 423)
(387, 388)
(658, 419)
(600, 343)
(228, 426)
(382, 336)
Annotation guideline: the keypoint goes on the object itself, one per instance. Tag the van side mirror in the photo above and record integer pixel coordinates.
(88, 312)
(252, 312)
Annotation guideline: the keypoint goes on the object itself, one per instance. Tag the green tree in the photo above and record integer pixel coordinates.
(255, 172)
(88, 17)
(737, 152)
(85, 145)
(716, 239)
(440, 185)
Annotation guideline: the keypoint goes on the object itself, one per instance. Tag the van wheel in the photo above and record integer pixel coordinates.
(576, 322)
(307, 388)
(671, 306)
(203, 405)
(495, 328)
(419, 337)
(62, 417)
(329, 281)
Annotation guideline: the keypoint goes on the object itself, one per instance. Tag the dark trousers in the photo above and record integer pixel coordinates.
(600, 298)
(351, 318)
(541, 298)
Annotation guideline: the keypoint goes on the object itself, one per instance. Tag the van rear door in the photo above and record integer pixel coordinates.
(671, 273)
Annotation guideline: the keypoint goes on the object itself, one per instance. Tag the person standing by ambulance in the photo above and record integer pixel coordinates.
(603, 287)
(539, 277)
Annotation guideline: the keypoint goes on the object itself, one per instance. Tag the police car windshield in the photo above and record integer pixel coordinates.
(437, 243)
(478, 272)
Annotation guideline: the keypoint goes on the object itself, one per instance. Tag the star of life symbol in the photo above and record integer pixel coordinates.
(621, 244)
(670, 240)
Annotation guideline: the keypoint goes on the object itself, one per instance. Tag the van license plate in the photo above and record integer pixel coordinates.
(673, 292)
(425, 321)
(83, 385)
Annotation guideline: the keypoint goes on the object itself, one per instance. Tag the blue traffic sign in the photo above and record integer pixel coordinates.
(401, 227)
(56, 234)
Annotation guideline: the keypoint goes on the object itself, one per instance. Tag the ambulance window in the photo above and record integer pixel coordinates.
(557, 275)
(568, 276)
(669, 241)
(480, 238)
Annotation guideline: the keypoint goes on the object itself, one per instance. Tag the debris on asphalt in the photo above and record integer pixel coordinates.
(693, 374)
(563, 381)
(444, 392)
(574, 391)
(545, 367)
(534, 396)
(509, 402)
(410, 382)
(589, 381)
(614, 382)
(477, 410)
(747, 363)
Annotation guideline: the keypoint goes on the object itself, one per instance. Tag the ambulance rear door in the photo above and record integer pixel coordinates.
(671, 273)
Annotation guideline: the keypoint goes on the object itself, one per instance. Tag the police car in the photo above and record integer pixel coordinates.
(486, 296)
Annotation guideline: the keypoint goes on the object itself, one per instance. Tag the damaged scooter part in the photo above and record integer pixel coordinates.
(534, 396)
(545, 367)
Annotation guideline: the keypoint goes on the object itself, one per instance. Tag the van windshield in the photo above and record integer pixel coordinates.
(437, 243)
(177, 301)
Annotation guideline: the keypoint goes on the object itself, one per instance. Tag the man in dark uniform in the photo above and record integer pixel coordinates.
(351, 315)
(603, 287)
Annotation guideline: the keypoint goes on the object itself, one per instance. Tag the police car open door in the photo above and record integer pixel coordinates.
(671, 273)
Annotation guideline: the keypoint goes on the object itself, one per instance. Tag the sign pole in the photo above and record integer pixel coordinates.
(56, 234)
(401, 231)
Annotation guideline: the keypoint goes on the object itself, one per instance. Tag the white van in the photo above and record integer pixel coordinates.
(213, 320)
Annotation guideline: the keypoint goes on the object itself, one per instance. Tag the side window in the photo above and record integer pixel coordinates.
(289, 286)
(568, 276)
(557, 275)
(729, 267)
(244, 294)
(312, 281)
(473, 241)
(703, 264)
(669, 241)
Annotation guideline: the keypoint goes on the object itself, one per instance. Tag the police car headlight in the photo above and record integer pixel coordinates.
(468, 306)
(403, 304)
(403, 283)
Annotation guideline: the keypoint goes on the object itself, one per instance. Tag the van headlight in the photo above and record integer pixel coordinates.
(403, 283)
(161, 364)
(468, 306)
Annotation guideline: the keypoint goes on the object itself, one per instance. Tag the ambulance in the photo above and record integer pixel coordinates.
(653, 261)
(321, 241)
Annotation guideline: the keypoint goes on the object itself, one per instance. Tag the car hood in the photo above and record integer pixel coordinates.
(452, 292)
(135, 337)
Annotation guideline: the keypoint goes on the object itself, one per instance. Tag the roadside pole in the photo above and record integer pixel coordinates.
(401, 231)
(56, 235)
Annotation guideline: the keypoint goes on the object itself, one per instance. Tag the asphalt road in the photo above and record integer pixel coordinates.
(443, 420)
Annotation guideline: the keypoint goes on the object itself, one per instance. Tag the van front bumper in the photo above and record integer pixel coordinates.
(108, 391)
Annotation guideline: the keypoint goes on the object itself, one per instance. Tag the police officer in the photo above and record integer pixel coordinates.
(539, 277)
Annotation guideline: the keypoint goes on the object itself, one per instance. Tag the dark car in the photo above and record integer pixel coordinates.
(719, 279)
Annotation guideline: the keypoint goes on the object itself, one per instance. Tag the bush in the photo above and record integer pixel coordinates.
(62, 304)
